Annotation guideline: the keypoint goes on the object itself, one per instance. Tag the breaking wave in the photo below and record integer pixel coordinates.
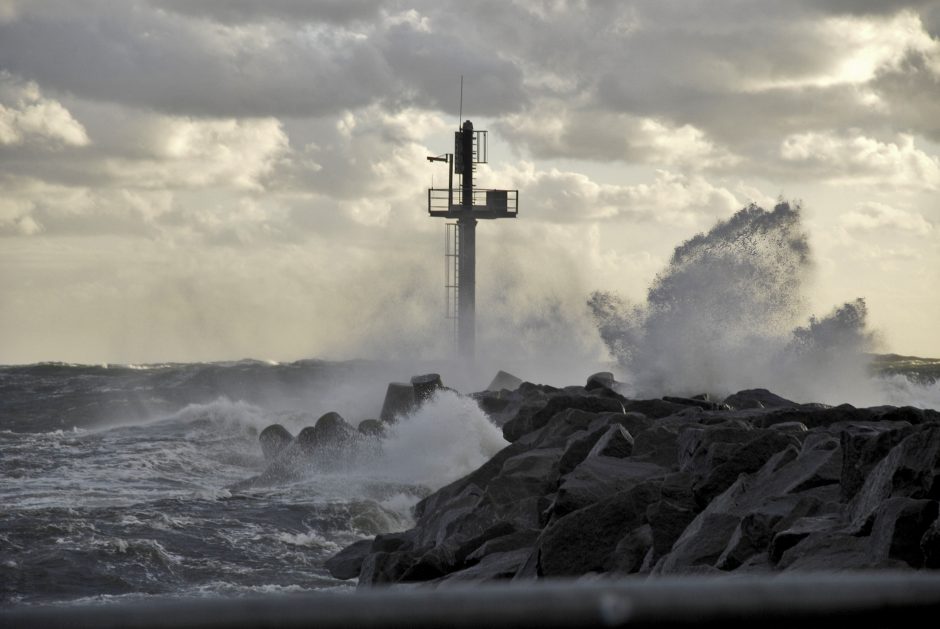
(729, 313)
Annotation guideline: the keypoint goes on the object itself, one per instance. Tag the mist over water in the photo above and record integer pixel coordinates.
(729, 313)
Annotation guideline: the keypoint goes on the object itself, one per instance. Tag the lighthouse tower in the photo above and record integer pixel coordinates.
(464, 205)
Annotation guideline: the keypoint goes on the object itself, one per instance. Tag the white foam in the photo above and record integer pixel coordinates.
(446, 438)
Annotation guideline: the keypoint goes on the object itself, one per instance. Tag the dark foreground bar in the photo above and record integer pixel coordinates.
(815, 600)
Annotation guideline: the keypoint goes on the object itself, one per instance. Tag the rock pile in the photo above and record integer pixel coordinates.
(593, 482)
(332, 441)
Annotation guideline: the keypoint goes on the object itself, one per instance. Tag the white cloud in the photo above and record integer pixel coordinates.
(856, 48)
(873, 216)
(27, 117)
(670, 198)
(183, 152)
(556, 130)
(848, 158)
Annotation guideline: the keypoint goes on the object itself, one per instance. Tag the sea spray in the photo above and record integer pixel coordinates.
(446, 438)
(725, 315)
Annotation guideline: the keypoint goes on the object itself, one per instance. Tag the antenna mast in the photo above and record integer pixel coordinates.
(466, 204)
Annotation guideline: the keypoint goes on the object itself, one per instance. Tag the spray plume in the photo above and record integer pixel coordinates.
(724, 315)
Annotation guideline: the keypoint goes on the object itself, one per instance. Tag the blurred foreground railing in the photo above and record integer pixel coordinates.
(815, 600)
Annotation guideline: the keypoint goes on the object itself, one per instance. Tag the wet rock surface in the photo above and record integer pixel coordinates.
(595, 483)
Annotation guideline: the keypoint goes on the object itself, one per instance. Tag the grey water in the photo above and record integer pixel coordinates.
(114, 479)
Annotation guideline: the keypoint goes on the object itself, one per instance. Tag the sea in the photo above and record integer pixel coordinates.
(116, 481)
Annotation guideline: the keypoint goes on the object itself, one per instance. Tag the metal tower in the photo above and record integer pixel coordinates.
(467, 205)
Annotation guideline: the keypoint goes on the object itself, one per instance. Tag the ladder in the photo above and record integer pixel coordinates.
(451, 282)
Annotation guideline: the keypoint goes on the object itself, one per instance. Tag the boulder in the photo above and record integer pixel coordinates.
(529, 419)
(704, 404)
(494, 566)
(657, 445)
(630, 552)
(584, 541)
(273, 440)
(796, 531)
(597, 478)
(399, 400)
(910, 470)
(757, 398)
(863, 447)
(616, 442)
(828, 552)
(600, 380)
(668, 519)
(930, 545)
(385, 568)
(371, 428)
(504, 380)
(756, 530)
(562, 427)
(425, 386)
(347, 563)
(723, 465)
(898, 528)
(522, 540)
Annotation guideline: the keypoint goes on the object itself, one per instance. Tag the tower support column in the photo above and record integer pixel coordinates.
(466, 287)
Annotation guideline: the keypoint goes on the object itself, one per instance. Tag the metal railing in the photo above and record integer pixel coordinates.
(497, 200)
(790, 600)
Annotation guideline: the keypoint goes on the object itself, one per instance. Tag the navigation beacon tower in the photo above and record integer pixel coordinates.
(466, 205)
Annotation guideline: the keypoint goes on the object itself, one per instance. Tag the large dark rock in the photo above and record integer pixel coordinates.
(529, 419)
(863, 446)
(399, 400)
(347, 563)
(273, 440)
(384, 568)
(898, 528)
(757, 530)
(504, 380)
(371, 428)
(495, 566)
(722, 464)
(828, 552)
(598, 477)
(616, 442)
(593, 483)
(910, 470)
(584, 541)
(704, 404)
(600, 380)
(426, 385)
(930, 545)
(757, 398)
(786, 537)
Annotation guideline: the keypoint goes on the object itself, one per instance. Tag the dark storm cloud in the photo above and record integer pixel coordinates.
(134, 54)
(129, 55)
(241, 11)
(913, 90)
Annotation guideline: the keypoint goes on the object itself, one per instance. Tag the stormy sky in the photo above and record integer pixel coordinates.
(218, 179)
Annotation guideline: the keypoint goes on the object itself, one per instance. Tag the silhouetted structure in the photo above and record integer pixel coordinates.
(466, 204)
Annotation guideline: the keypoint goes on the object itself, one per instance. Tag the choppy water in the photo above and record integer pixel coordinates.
(113, 479)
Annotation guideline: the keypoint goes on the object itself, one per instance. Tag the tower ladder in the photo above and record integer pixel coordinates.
(451, 281)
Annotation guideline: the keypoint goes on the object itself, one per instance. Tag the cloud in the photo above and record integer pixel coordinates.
(198, 153)
(559, 131)
(858, 48)
(27, 117)
(875, 217)
(246, 11)
(566, 197)
(844, 158)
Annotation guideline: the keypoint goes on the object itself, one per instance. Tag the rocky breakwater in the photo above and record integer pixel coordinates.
(595, 483)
